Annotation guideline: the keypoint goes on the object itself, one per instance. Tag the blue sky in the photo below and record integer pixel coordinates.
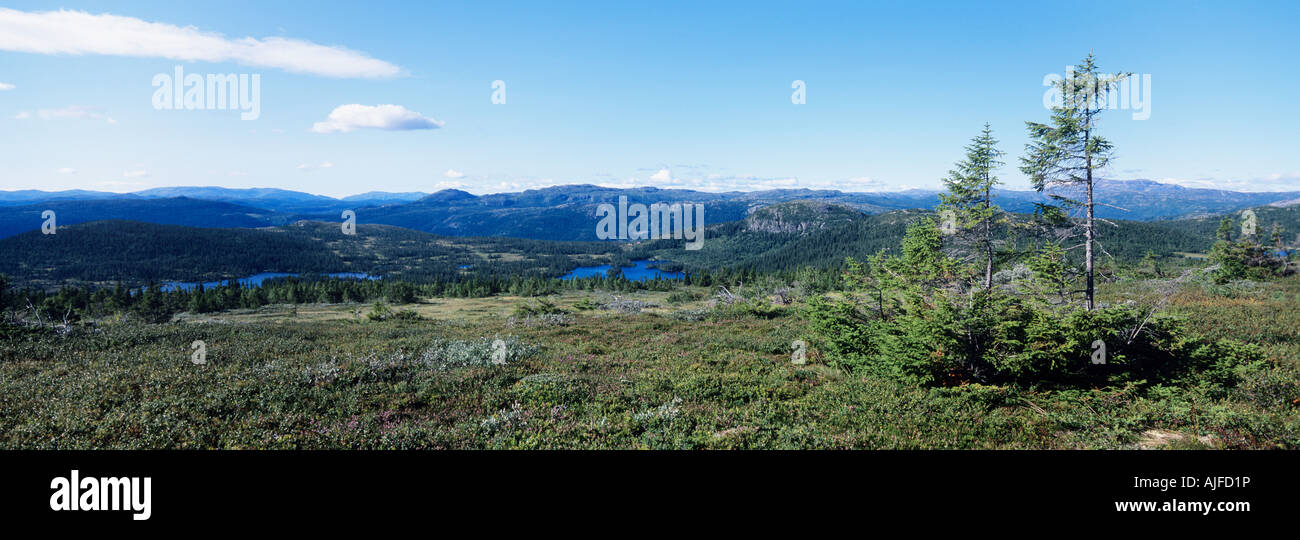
(692, 94)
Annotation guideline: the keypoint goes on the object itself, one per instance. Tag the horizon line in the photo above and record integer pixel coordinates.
(583, 184)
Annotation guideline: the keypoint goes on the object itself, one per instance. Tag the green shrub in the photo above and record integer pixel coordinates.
(587, 303)
(549, 390)
(379, 312)
(756, 308)
(684, 296)
(917, 325)
(542, 306)
(407, 315)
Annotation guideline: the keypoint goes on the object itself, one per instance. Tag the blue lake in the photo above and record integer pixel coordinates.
(639, 271)
(256, 280)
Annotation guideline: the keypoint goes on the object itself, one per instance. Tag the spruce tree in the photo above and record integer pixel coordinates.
(970, 196)
(1068, 153)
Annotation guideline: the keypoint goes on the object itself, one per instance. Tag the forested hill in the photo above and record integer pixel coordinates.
(789, 235)
(777, 237)
(175, 211)
(137, 253)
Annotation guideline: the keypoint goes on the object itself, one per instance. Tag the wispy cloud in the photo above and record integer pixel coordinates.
(119, 185)
(866, 183)
(66, 170)
(717, 182)
(135, 174)
(310, 167)
(6, 86)
(447, 184)
(79, 32)
(453, 173)
(345, 118)
(1269, 182)
(71, 112)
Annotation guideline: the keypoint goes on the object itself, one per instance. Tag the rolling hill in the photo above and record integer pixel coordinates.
(777, 237)
(137, 253)
(178, 211)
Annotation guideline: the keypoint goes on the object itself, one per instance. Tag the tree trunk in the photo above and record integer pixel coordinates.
(988, 241)
(1088, 227)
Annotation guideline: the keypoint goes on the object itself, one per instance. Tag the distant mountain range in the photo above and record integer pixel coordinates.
(279, 200)
(555, 213)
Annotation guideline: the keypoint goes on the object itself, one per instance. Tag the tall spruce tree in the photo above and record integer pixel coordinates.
(1068, 153)
(970, 196)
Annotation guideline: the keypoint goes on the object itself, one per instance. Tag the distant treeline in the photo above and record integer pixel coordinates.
(154, 304)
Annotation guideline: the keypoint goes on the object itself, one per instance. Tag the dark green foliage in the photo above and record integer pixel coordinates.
(587, 304)
(152, 307)
(401, 293)
(380, 311)
(758, 308)
(541, 306)
(916, 319)
(1246, 257)
(683, 296)
(969, 200)
(138, 253)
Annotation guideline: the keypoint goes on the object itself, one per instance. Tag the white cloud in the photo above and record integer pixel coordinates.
(310, 167)
(6, 86)
(78, 32)
(866, 183)
(119, 185)
(71, 112)
(66, 170)
(1269, 182)
(447, 185)
(631, 182)
(718, 182)
(345, 118)
(135, 174)
(453, 173)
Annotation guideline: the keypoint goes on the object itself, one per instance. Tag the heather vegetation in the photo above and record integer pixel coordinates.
(702, 373)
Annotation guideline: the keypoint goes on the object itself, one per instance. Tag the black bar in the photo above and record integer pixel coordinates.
(235, 490)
